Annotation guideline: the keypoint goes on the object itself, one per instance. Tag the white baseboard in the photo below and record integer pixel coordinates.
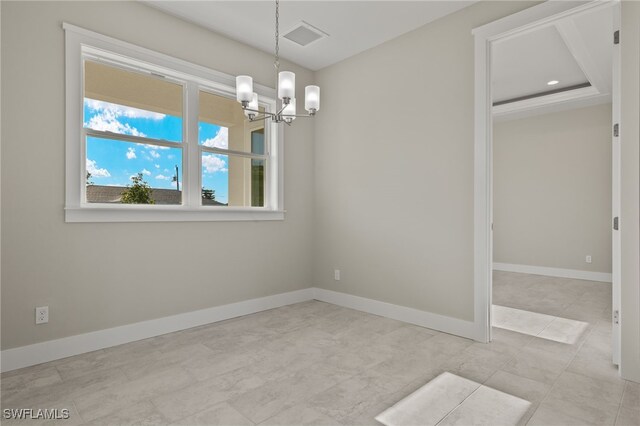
(24, 356)
(401, 313)
(553, 272)
(38, 353)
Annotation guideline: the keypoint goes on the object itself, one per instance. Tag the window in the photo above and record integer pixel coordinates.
(132, 129)
(228, 156)
(153, 138)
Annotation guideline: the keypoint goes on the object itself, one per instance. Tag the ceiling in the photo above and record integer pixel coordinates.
(352, 26)
(574, 51)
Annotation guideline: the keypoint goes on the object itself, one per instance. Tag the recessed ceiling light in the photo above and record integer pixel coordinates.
(552, 82)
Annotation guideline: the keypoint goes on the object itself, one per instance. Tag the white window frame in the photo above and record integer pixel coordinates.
(81, 44)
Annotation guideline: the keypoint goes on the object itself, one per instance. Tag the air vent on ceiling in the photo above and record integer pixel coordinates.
(304, 33)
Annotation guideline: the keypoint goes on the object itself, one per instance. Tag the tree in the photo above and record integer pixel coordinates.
(139, 192)
(208, 194)
(89, 181)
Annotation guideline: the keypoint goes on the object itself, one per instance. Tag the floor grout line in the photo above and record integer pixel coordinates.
(461, 402)
(624, 390)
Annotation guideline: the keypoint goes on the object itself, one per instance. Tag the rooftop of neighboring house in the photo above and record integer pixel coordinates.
(113, 194)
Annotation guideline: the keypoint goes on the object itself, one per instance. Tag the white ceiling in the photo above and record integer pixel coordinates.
(523, 65)
(352, 26)
(575, 50)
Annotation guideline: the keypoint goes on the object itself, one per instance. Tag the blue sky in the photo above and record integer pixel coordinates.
(113, 162)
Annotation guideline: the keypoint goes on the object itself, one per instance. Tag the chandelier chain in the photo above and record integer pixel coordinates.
(277, 62)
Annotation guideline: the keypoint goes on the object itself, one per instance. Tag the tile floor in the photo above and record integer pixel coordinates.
(318, 364)
(453, 400)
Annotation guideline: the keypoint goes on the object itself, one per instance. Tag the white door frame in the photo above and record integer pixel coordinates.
(522, 22)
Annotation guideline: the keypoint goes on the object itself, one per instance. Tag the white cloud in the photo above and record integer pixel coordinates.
(213, 164)
(171, 156)
(162, 177)
(121, 110)
(220, 140)
(154, 154)
(95, 171)
(108, 122)
(131, 153)
(107, 116)
(157, 166)
(145, 172)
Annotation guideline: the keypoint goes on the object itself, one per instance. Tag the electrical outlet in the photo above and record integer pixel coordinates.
(336, 274)
(588, 259)
(42, 315)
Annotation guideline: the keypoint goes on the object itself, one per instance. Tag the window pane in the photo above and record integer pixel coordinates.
(229, 180)
(127, 172)
(130, 103)
(222, 124)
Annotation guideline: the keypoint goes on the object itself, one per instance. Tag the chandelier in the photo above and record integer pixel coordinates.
(285, 87)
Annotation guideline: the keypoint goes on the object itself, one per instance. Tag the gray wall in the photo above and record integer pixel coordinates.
(394, 167)
(96, 276)
(552, 190)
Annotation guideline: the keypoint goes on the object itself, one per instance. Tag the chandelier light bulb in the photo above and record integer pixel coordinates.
(289, 111)
(312, 98)
(244, 88)
(252, 105)
(286, 85)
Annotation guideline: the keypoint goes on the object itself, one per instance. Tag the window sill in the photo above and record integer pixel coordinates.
(97, 214)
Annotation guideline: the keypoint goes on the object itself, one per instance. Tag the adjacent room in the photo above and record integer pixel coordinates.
(320, 212)
(552, 181)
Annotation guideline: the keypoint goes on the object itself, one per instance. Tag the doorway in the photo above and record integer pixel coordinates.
(540, 21)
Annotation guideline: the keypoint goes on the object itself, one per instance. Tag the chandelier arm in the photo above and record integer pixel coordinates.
(302, 116)
(258, 111)
(259, 118)
(281, 110)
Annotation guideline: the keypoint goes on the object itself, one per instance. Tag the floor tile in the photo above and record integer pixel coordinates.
(521, 387)
(631, 396)
(546, 416)
(628, 417)
(537, 365)
(476, 363)
(564, 330)
(111, 399)
(28, 378)
(143, 413)
(431, 403)
(46, 395)
(186, 401)
(520, 320)
(301, 415)
(487, 406)
(272, 397)
(221, 414)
